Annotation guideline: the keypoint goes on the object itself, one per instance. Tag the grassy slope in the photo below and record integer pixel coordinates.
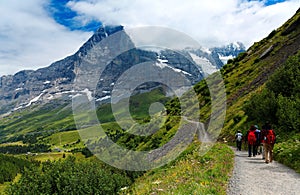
(53, 123)
(190, 173)
(48, 118)
(139, 106)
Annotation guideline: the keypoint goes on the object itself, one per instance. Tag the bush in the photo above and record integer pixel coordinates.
(68, 176)
(262, 106)
(10, 167)
(288, 152)
(271, 34)
(256, 60)
(288, 113)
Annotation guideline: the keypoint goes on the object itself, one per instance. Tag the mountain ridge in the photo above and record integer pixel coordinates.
(56, 81)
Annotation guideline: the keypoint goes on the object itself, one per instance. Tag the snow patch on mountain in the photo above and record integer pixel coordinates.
(19, 89)
(204, 63)
(224, 59)
(163, 64)
(88, 94)
(34, 99)
(206, 50)
(103, 98)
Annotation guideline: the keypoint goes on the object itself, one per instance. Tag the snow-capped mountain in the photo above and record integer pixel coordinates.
(56, 81)
(227, 52)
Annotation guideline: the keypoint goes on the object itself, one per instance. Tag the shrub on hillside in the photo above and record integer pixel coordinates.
(10, 166)
(68, 176)
(288, 152)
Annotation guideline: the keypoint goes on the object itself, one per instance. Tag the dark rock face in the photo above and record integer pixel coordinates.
(57, 80)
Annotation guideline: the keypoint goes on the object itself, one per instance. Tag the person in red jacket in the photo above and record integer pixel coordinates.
(251, 139)
(269, 141)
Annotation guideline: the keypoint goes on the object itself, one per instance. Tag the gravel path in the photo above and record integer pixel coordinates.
(251, 175)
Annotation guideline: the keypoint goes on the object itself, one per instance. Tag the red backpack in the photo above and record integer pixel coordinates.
(270, 138)
(251, 137)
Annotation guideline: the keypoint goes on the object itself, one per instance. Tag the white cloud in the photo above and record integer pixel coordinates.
(30, 39)
(211, 22)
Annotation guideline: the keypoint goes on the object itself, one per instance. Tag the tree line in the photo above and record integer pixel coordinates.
(21, 149)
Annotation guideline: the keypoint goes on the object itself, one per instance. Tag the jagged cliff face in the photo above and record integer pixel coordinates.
(56, 81)
(45, 84)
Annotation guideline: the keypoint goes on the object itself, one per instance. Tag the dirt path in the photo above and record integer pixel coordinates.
(251, 175)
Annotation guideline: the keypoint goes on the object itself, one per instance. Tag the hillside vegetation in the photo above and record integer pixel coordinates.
(246, 75)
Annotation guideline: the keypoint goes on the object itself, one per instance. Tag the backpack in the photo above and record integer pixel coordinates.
(270, 138)
(251, 138)
(239, 137)
(258, 136)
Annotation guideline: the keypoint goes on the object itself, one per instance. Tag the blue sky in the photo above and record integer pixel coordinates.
(35, 33)
(273, 2)
(64, 15)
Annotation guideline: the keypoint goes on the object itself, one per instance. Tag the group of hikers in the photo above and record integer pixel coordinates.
(259, 141)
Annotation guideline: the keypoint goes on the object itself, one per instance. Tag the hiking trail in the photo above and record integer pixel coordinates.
(252, 176)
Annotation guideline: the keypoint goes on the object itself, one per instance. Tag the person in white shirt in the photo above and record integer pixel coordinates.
(239, 138)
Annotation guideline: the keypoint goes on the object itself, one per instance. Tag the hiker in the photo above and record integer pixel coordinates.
(269, 141)
(239, 138)
(258, 140)
(251, 139)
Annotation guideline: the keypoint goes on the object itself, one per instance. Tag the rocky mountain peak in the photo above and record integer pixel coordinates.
(102, 32)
